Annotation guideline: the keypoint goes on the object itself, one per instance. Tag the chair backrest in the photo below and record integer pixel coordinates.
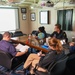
(71, 63)
(48, 35)
(8, 61)
(34, 32)
(11, 34)
(1, 36)
(59, 67)
(17, 33)
(5, 59)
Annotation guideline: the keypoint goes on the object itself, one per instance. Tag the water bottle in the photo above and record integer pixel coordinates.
(41, 42)
(29, 38)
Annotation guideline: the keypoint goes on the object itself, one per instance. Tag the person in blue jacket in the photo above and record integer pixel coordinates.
(72, 47)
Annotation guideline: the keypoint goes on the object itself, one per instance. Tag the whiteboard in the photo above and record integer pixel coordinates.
(8, 19)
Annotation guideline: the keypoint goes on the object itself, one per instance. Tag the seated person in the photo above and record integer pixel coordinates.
(58, 33)
(41, 33)
(6, 46)
(43, 28)
(72, 47)
(56, 52)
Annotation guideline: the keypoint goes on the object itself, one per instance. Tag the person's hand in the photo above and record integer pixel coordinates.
(39, 53)
(72, 44)
(26, 51)
(43, 55)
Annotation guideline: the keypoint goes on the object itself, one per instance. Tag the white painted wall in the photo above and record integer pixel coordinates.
(53, 20)
(27, 25)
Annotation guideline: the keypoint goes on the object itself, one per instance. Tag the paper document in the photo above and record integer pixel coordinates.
(21, 47)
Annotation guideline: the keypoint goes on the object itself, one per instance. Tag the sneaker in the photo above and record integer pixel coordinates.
(20, 71)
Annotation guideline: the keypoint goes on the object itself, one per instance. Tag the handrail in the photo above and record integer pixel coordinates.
(32, 46)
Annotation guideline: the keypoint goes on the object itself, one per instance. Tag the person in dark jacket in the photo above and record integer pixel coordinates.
(58, 33)
(55, 54)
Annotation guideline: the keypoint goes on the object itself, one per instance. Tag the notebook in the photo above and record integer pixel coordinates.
(21, 47)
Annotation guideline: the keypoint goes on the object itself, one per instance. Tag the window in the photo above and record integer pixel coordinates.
(9, 19)
(64, 17)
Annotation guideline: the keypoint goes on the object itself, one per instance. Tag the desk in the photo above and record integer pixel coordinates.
(20, 38)
(23, 39)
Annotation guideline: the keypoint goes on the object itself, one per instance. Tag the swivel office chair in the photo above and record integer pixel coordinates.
(17, 34)
(71, 64)
(55, 69)
(35, 32)
(1, 36)
(8, 61)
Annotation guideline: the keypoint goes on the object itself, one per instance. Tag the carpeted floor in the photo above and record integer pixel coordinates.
(3, 71)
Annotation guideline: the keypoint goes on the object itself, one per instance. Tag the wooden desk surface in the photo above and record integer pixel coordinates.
(23, 39)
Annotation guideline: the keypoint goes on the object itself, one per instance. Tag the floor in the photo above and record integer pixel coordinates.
(3, 71)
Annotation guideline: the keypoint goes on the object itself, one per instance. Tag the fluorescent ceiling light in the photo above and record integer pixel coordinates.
(32, 7)
(5, 6)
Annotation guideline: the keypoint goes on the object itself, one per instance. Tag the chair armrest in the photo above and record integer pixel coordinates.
(15, 57)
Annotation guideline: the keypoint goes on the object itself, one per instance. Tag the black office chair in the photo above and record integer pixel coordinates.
(8, 61)
(11, 34)
(71, 64)
(17, 34)
(48, 35)
(55, 69)
(1, 36)
(35, 32)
